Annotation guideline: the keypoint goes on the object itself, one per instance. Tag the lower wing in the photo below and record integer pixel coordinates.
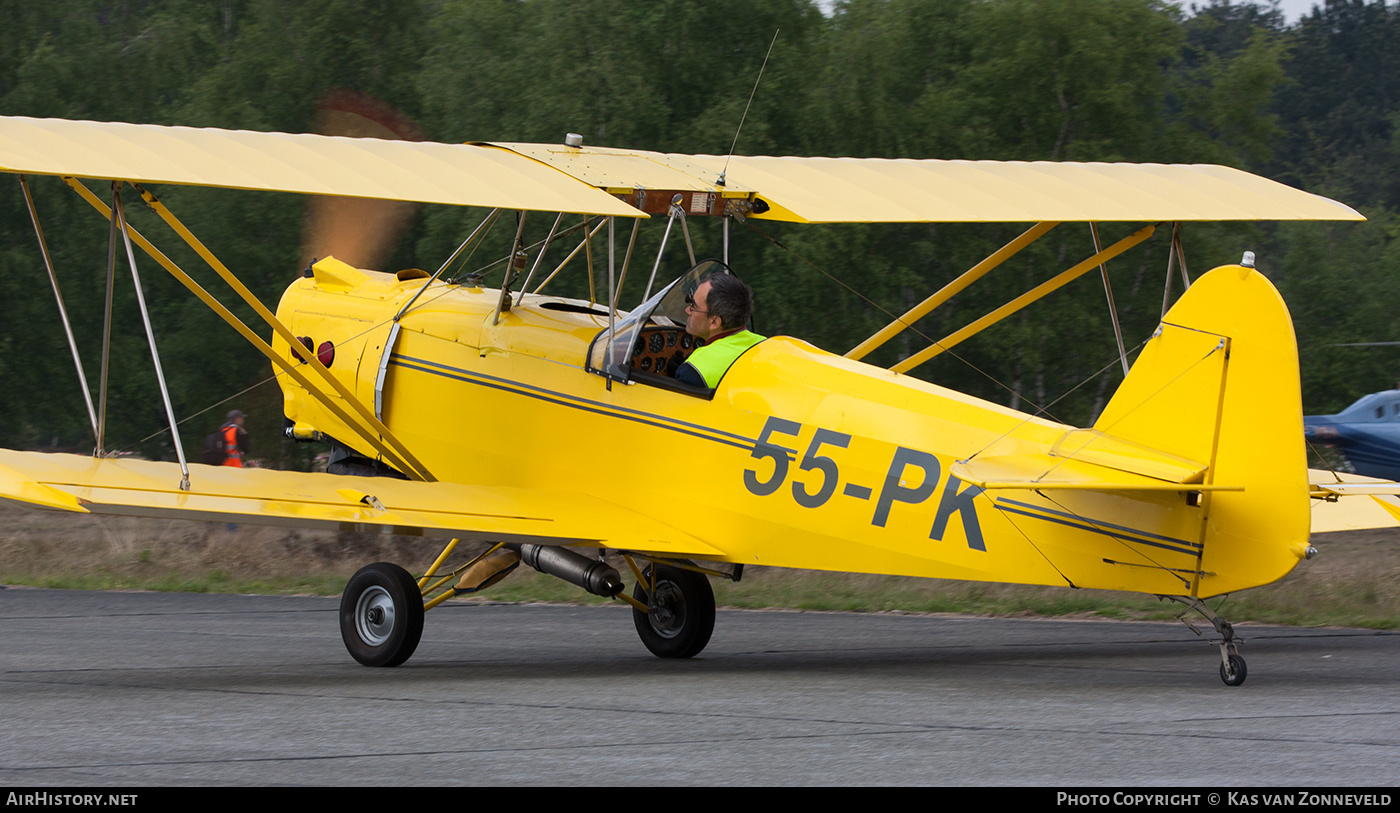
(76, 483)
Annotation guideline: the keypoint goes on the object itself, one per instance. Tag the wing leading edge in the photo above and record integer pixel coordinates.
(77, 483)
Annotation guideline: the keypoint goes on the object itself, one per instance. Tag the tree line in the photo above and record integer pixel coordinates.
(1314, 104)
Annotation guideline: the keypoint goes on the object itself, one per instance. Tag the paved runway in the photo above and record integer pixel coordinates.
(147, 688)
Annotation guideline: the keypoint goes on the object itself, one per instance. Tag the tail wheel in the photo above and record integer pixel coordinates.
(1233, 671)
(381, 615)
(682, 613)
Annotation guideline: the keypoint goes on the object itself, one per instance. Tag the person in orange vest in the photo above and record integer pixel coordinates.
(235, 439)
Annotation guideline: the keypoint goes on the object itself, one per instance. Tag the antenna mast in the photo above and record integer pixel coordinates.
(752, 93)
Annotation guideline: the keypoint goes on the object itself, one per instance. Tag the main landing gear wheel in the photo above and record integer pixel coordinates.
(682, 613)
(381, 615)
(1233, 671)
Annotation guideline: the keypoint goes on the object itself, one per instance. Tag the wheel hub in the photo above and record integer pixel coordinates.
(667, 607)
(374, 616)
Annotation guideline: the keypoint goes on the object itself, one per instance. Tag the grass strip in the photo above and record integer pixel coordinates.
(1354, 583)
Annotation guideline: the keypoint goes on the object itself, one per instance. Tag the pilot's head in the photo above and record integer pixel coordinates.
(722, 303)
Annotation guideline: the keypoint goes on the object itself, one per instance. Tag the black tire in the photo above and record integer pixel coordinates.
(682, 617)
(1235, 675)
(381, 615)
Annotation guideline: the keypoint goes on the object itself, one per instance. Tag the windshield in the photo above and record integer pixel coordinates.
(666, 308)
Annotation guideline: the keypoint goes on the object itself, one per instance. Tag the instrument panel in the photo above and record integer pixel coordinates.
(662, 350)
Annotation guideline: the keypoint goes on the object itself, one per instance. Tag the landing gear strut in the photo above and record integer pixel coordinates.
(1232, 665)
(381, 611)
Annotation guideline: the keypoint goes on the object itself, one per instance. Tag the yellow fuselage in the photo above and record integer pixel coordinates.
(801, 459)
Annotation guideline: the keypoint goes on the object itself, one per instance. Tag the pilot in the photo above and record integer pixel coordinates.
(717, 313)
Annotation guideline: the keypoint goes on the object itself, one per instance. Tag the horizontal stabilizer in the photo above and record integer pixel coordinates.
(126, 487)
(1322, 483)
(1048, 471)
(1330, 512)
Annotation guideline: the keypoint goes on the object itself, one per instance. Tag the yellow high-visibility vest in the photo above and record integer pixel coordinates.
(712, 360)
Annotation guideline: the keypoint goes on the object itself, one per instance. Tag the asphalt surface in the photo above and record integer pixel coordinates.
(129, 689)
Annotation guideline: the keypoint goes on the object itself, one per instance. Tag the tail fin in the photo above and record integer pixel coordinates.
(1218, 384)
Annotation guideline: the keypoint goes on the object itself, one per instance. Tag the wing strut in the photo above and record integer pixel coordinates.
(514, 263)
(588, 257)
(674, 212)
(106, 327)
(627, 261)
(588, 235)
(1025, 299)
(370, 437)
(58, 295)
(539, 258)
(947, 292)
(685, 231)
(1112, 309)
(120, 221)
(612, 289)
(1174, 255)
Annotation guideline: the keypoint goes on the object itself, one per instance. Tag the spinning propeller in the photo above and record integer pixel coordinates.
(359, 231)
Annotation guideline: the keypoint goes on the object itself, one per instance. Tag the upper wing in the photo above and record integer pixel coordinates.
(557, 178)
(460, 174)
(881, 190)
(262, 496)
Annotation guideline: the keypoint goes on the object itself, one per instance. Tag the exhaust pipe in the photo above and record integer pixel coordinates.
(598, 578)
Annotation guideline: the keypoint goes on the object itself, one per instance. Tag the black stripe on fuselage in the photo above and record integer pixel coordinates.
(1099, 527)
(575, 402)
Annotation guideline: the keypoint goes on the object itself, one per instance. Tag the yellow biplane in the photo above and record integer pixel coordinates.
(579, 436)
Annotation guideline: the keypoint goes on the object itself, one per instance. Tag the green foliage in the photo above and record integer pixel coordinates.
(1231, 66)
(1078, 81)
(657, 75)
(1341, 103)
